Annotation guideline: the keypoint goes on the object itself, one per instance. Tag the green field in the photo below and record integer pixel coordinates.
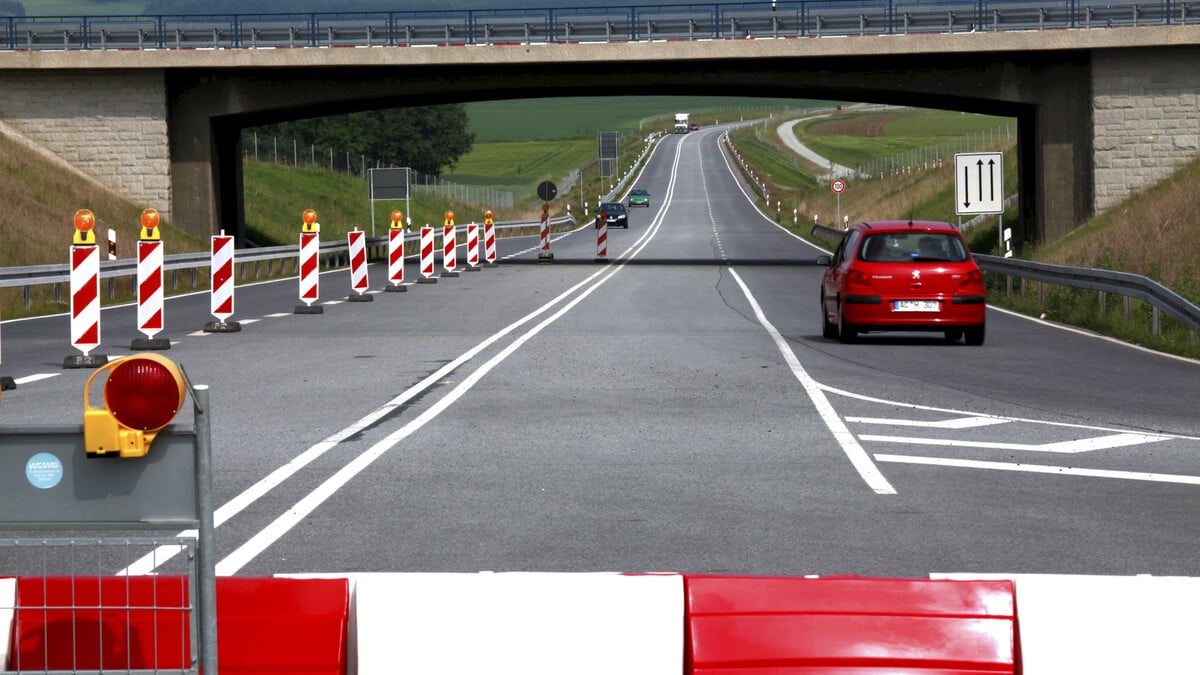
(584, 117)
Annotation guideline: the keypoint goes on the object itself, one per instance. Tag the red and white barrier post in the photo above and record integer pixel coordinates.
(601, 236)
(221, 286)
(396, 255)
(150, 284)
(489, 239)
(544, 255)
(472, 248)
(449, 246)
(310, 273)
(427, 256)
(85, 294)
(357, 241)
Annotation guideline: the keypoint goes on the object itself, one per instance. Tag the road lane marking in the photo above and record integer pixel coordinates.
(1042, 468)
(258, 543)
(956, 423)
(1060, 447)
(34, 378)
(841, 433)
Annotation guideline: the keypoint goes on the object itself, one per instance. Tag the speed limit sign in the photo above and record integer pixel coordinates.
(838, 185)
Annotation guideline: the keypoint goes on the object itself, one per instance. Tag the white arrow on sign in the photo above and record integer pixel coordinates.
(978, 183)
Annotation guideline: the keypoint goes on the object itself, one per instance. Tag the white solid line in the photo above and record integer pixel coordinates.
(234, 562)
(854, 452)
(246, 322)
(34, 378)
(957, 423)
(1062, 447)
(273, 316)
(198, 333)
(1042, 468)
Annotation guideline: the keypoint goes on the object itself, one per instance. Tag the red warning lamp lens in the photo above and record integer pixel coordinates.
(84, 220)
(150, 219)
(309, 216)
(143, 394)
(397, 216)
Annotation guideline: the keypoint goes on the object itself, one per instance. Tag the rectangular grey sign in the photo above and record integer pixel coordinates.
(47, 481)
(389, 183)
(609, 145)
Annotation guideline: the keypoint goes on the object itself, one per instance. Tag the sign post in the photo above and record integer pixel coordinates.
(838, 185)
(979, 188)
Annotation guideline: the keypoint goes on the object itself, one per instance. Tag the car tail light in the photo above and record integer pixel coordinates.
(971, 280)
(857, 279)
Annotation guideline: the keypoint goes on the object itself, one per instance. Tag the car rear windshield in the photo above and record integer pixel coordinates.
(913, 247)
(614, 206)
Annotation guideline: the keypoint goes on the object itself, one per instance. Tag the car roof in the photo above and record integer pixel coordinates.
(883, 226)
(638, 191)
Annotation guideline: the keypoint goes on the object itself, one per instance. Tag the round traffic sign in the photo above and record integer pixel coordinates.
(838, 185)
(546, 190)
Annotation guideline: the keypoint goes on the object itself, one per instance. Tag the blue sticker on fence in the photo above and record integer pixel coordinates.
(43, 471)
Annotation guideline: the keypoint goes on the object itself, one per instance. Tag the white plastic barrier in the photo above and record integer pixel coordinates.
(515, 622)
(1103, 625)
(8, 603)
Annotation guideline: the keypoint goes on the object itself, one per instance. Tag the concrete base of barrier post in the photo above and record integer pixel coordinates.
(471, 269)
(360, 297)
(395, 288)
(85, 361)
(7, 383)
(309, 309)
(144, 344)
(601, 260)
(222, 327)
(546, 257)
(427, 280)
(449, 274)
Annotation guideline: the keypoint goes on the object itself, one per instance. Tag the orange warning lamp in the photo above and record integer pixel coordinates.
(545, 208)
(310, 221)
(449, 219)
(85, 220)
(487, 218)
(150, 219)
(397, 219)
(142, 394)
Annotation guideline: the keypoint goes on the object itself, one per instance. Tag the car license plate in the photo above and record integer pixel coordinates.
(915, 306)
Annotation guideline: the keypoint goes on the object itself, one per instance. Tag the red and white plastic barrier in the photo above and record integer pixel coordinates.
(380, 623)
(396, 253)
(473, 245)
(602, 236)
(427, 252)
(357, 241)
(150, 288)
(221, 273)
(85, 297)
(545, 233)
(310, 258)
(489, 238)
(449, 246)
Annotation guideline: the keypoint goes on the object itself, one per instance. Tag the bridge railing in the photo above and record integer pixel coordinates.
(698, 21)
(1128, 286)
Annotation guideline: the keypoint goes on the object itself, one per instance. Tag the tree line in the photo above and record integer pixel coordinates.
(428, 139)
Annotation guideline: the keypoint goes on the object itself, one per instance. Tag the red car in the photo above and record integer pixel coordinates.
(902, 276)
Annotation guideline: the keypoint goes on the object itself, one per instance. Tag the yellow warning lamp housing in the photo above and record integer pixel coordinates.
(142, 394)
(310, 224)
(85, 220)
(449, 219)
(397, 220)
(487, 218)
(150, 219)
(545, 208)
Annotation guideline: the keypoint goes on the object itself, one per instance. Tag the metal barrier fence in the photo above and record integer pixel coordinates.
(696, 21)
(74, 616)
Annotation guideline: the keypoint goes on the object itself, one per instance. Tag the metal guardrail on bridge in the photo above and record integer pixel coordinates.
(1160, 298)
(696, 21)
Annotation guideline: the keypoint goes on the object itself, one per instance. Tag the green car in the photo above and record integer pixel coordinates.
(639, 197)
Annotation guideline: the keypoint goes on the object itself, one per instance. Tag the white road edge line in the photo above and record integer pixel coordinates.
(1060, 447)
(1041, 468)
(35, 377)
(854, 451)
(956, 423)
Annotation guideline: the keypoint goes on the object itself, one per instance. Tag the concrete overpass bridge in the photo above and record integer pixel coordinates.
(1101, 113)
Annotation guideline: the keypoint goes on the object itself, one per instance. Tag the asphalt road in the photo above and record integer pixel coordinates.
(674, 409)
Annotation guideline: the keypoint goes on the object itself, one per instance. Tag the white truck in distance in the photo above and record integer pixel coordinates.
(681, 123)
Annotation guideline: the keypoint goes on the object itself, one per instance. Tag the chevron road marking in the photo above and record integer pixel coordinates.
(1062, 447)
(1041, 468)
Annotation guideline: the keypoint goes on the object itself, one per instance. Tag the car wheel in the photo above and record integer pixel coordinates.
(845, 332)
(828, 330)
(954, 335)
(975, 335)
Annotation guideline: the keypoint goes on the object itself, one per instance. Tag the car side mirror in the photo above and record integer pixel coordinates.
(825, 260)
